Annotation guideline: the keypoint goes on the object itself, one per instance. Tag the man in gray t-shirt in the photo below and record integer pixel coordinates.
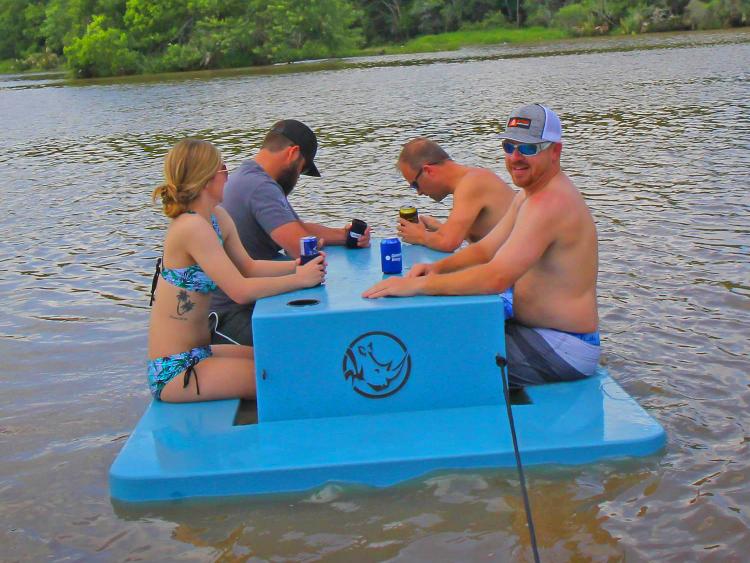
(256, 198)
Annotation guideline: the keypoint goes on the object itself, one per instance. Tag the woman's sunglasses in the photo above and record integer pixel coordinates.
(526, 149)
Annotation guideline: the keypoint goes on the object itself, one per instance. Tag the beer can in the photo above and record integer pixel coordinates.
(390, 256)
(409, 213)
(356, 231)
(308, 249)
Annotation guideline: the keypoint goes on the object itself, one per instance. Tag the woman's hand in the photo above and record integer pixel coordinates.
(313, 273)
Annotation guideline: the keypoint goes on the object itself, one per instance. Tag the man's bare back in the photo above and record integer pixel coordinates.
(485, 191)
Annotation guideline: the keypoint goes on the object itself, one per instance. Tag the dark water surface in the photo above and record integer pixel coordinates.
(657, 136)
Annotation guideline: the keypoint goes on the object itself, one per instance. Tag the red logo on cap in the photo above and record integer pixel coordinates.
(521, 122)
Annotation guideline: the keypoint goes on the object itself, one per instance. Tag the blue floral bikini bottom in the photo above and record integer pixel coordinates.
(163, 370)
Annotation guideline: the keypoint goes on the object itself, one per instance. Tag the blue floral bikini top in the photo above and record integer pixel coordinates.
(192, 278)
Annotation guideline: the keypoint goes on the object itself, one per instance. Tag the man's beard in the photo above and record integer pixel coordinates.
(288, 179)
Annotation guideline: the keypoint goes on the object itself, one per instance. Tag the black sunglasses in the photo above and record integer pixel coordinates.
(414, 185)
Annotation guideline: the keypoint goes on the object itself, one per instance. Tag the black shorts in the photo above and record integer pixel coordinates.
(232, 325)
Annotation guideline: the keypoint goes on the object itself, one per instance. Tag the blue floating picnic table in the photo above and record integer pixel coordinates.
(373, 392)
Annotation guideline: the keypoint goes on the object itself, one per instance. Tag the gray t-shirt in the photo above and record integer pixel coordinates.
(257, 205)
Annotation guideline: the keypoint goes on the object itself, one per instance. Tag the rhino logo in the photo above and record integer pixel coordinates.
(378, 364)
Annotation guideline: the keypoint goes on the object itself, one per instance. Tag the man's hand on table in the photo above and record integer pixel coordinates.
(395, 287)
(419, 270)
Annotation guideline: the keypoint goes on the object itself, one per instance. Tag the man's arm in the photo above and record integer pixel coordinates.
(483, 250)
(533, 233)
(432, 223)
(277, 218)
(449, 235)
(332, 236)
(287, 237)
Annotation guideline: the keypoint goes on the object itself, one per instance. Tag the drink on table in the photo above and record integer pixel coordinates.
(356, 231)
(308, 249)
(390, 255)
(409, 213)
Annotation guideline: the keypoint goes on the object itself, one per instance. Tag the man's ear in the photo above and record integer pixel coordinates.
(292, 153)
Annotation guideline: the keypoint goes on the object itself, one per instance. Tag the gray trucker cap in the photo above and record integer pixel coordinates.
(534, 123)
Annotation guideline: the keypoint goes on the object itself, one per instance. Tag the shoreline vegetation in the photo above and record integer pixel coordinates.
(98, 38)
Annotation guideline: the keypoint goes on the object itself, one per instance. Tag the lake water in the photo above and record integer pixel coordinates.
(657, 137)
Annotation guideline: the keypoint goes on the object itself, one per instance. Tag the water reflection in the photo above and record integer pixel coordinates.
(446, 517)
(656, 129)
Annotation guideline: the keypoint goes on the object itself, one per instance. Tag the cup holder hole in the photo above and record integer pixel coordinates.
(303, 302)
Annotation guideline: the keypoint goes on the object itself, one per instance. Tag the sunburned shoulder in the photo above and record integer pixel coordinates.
(556, 199)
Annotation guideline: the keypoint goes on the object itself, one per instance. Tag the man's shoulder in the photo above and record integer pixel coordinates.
(250, 175)
(553, 200)
(250, 182)
(480, 181)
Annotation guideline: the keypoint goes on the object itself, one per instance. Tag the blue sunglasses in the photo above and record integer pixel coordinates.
(526, 149)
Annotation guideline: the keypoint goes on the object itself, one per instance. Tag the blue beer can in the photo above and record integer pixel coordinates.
(390, 256)
(308, 249)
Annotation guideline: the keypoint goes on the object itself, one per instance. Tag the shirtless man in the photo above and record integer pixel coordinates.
(545, 248)
(480, 198)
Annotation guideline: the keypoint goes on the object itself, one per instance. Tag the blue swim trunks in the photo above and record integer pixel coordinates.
(542, 355)
(587, 337)
(163, 370)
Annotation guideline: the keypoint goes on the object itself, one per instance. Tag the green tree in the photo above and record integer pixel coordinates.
(33, 15)
(384, 20)
(153, 25)
(573, 17)
(13, 40)
(286, 29)
(427, 16)
(102, 51)
(65, 20)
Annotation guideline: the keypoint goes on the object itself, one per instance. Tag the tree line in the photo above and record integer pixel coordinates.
(114, 37)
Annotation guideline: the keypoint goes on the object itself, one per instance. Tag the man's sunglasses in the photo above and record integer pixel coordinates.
(526, 149)
(414, 185)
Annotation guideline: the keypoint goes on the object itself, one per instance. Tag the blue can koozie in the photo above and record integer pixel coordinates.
(390, 256)
(308, 249)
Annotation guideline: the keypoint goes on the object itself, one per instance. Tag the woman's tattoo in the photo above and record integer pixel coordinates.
(184, 305)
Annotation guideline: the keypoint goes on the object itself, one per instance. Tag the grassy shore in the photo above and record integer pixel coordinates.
(450, 41)
(7, 66)
(456, 39)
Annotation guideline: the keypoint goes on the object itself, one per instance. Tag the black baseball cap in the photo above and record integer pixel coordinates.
(302, 136)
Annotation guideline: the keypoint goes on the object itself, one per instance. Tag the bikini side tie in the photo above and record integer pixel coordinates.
(191, 371)
(154, 281)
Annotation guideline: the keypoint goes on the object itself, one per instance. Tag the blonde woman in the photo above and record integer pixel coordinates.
(202, 251)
